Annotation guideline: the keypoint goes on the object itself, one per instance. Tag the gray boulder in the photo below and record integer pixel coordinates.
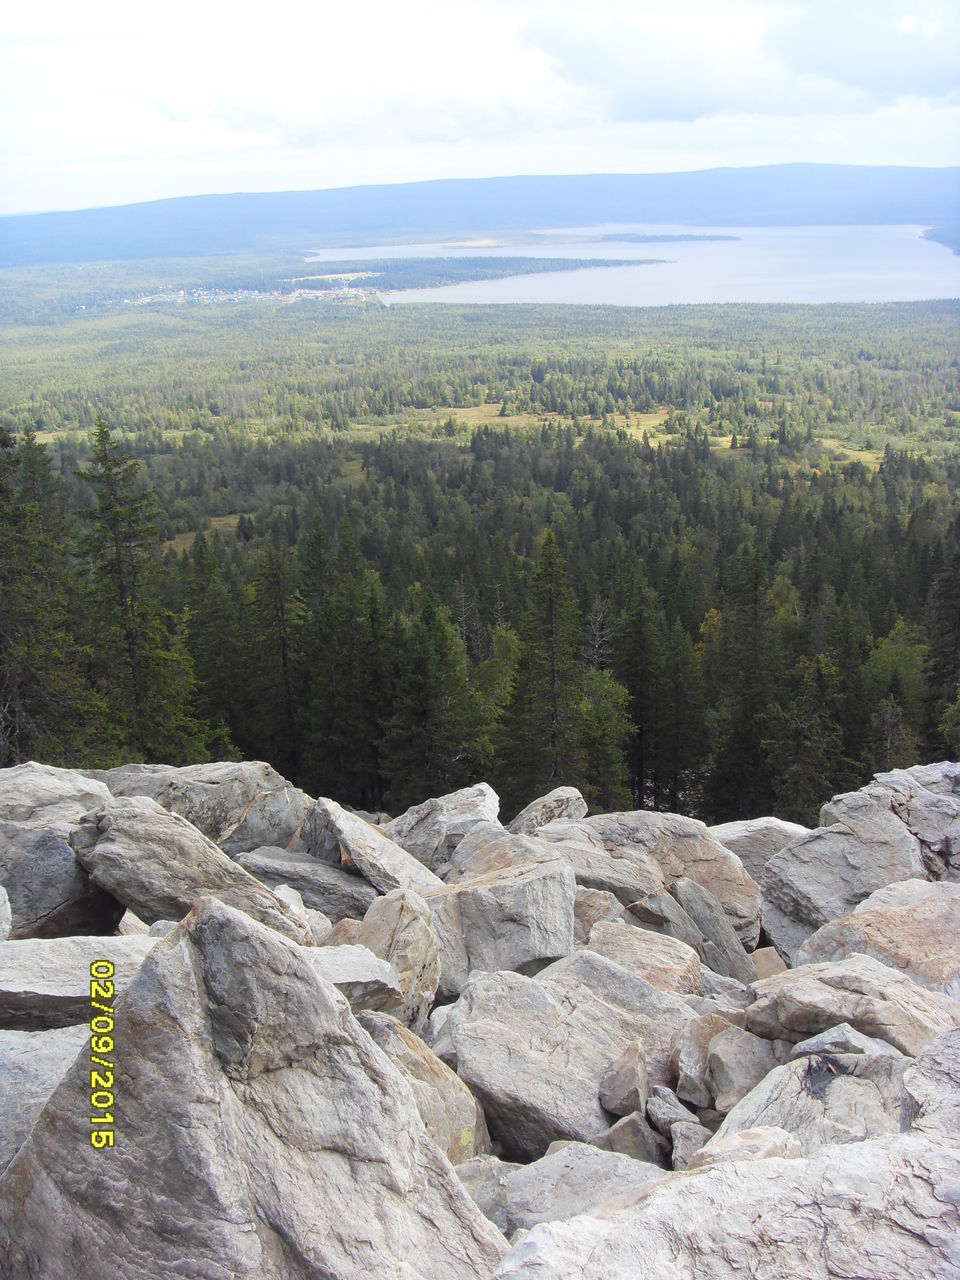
(261, 1134)
(322, 887)
(561, 802)
(755, 840)
(158, 864)
(590, 906)
(333, 835)
(737, 1061)
(868, 995)
(367, 981)
(930, 1102)
(765, 1142)
(841, 1039)
(687, 1138)
(45, 982)
(691, 1049)
(626, 1086)
(399, 929)
(662, 961)
(432, 830)
(485, 1180)
(50, 894)
(722, 946)
(40, 795)
(32, 1063)
(632, 1136)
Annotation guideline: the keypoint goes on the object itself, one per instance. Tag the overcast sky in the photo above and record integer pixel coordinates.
(111, 103)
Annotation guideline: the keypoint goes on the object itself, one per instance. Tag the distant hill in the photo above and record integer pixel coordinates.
(774, 195)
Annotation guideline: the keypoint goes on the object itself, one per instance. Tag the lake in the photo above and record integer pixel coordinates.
(764, 264)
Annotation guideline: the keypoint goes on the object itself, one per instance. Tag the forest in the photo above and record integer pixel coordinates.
(698, 559)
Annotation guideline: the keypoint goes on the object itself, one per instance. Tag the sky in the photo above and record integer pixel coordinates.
(117, 102)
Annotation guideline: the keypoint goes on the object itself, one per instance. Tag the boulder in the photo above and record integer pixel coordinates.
(930, 1101)
(737, 1061)
(569, 1181)
(662, 914)
(6, 915)
(725, 955)
(451, 1114)
(765, 1142)
(590, 906)
(38, 795)
(486, 1181)
(884, 1209)
(626, 1087)
(45, 982)
(767, 961)
(367, 981)
(664, 1110)
(873, 998)
(913, 926)
(398, 928)
(131, 924)
(431, 831)
(668, 847)
(822, 876)
(514, 919)
(660, 960)
(239, 805)
(840, 1039)
(632, 1136)
(827, 1099)
(534, 1051)
(158, 864)
(755, 840)
(691, 1047)
(260, 1133)
(345, 933)
(50, 894)
(322, 887)
(32, 1064)
(687, 1139)
(561, 802)
(333, 835)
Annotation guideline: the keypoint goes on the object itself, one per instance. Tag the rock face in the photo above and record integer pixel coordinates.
(333, 835)
(660, 960)
(32, 1064)
(913, 926)
(323, 888)
(765, 1142)
(561, 802)
(399, 929)
(431, 831)
(896, 828)
(158, 864)
(824, 1099)
(246, 1079)
(239, 806)
(451, 1114)
(756, 840)
(868, 995)
(667, 846)
(504, 920)
(884, 1208)
(45, 982)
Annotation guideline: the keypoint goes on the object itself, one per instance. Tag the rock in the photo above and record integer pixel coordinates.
(45, 982)
(691, 1047)
(570, 1181)
(50, 894)
(367, 981)
(486, 1181)
(884, 1209)
(398, 928)
(451, 1114)
(914, 930)
(737, 1061)
(767, 961)
(841, 1039)
(238, 805)
(632, 1136)
(756, 840)
(506, 920)
(828, 1099)
(32, 1064)
(431, 831)
(662, 914)
(561, 802)
(261, 1134)
(873, 998)
(131, 924)
(286, 893)
(333, 835)
(626, 1087)
(660, 960)
(345, 933)
(664, 1110)
(6, 915)
(162, 928)
(158, 865)
(730, 959)
(726, 992)
(535, 1050)
(930, 1101)
(41, 796)
(822, 876)
(322, 887)
(688, 1139)
(669, 847)
(590, 906)
(765, 1142)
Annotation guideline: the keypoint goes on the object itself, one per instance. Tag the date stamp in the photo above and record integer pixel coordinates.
(102, 1063)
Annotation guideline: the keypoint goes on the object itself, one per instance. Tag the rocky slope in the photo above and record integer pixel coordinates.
(575, 1046)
